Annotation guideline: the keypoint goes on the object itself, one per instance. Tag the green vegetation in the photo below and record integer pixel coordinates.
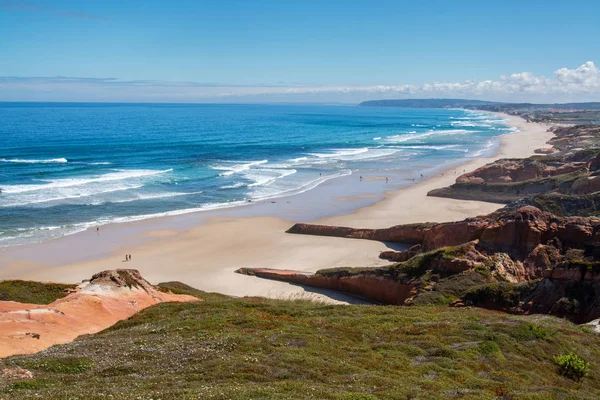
(531, 332)
(448, 289)
(508, 192)
(572, 366)
(502, 294)
(250, 348)
(587, 205)
(32, 292)
(415, 267)
(64, 365)
(418, 265)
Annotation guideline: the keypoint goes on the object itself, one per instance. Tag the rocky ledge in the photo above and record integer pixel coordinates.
(570, 166)
(524, 260)
(95, 304)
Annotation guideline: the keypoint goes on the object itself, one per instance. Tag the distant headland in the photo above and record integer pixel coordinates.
(572, 113)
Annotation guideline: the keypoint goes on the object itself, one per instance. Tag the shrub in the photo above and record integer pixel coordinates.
(488, 348)
(587, 329)
(572, 366)
(531, 332)
(483, 271)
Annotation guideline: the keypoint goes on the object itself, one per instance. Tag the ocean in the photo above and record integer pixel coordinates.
(65, 167)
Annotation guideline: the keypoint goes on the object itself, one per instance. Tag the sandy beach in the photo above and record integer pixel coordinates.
(205, 254)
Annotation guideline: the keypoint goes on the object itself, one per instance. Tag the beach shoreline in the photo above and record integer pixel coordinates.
(206, 249)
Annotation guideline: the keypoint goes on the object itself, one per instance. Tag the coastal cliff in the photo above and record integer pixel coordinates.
(572, 168)
(538, 254)
(450, 260)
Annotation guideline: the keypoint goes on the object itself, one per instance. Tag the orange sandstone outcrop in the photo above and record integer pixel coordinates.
(110, 296)
(509, 246)
(518, 170)
(517, 232)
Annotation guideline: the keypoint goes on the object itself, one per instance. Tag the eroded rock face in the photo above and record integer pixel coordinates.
(515, 246)
(367, 284)
(571, 298)
(400, 256)
(542, 258)
(453, 233)
(518, 170)
(108, 297)
(516, 232)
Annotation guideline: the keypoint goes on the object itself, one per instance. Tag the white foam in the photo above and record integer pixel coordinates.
(46, 161)
(265, 177)
(465, 123)
(340, 153)
(453, 147)
(480, 152)
(140, 196)
(90, 163)
(299, 159)
(237, 168)
(234, 186)
(261, 194)
(31, 198)
(443, 132)
(69, 182)
(405, 138)
(419, 136)
(371, 154)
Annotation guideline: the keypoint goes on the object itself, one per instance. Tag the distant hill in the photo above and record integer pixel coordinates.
(477, 104)
(427, 103)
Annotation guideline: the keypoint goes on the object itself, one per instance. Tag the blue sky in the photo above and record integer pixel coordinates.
(229, 50)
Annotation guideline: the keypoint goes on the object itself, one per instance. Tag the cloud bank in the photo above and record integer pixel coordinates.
(566, 85)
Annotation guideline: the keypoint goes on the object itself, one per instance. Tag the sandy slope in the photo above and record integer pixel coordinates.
(96, 305)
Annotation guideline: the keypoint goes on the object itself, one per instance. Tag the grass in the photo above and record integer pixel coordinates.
(587, 205)
(32, 292)
(251, 348)
(62, 365)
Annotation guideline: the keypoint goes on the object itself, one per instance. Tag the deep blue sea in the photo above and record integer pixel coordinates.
(66, 167)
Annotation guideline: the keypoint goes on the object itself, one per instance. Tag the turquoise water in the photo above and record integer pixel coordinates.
(66, 167)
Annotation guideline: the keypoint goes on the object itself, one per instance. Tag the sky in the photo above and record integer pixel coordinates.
(298, 51)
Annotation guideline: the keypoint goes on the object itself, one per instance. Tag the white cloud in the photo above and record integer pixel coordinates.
(579, 84)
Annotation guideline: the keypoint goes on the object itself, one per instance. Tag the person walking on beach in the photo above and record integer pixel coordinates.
(130, 257)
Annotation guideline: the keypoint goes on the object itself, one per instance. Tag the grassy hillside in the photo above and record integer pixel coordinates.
(32, 292)
(226, 348)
